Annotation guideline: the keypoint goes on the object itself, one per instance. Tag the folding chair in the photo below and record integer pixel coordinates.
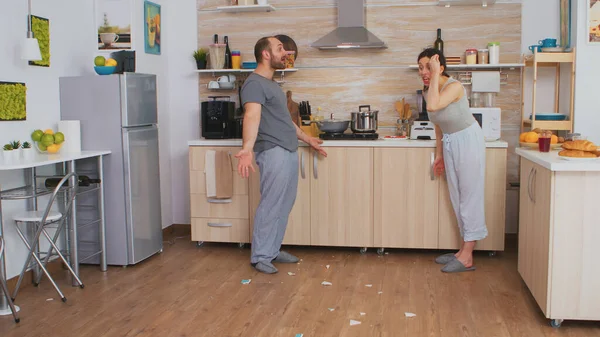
(4, 286)
(41, 220)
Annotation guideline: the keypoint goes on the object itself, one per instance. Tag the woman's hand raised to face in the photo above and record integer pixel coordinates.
(434, 65)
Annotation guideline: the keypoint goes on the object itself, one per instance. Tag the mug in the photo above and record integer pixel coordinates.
(534, 47)
(109, 38)
(224, 78)
(548, 43)
(213, 85)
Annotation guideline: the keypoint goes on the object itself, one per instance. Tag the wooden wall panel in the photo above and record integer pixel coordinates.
(340, 80)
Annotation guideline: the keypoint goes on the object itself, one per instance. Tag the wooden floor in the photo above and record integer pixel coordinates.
(190, 291)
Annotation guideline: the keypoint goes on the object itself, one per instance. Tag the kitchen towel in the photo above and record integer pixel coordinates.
(224, 175)
(485, 81)
(72, 131)
(219, 176)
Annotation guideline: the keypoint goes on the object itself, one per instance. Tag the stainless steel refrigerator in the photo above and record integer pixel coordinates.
(119, 113)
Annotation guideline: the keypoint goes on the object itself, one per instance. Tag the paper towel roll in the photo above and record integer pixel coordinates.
(72, 132)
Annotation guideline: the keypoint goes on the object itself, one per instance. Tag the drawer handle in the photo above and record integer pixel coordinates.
(219, 224)
(315, 159)
(431, 173)
(302, 165)
(219, 201)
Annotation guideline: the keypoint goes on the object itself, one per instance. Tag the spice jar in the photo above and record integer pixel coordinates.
(483, 56)
(236, 59)
(494, 48)
(471, 56)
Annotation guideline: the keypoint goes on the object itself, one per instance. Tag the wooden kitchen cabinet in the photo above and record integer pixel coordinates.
(341, 197)
(405, 198)
(217, 222)
(558, 238)
(298, 228)
(495, 205)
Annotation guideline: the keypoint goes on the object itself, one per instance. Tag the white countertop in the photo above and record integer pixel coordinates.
(552, 161)
(41, 159)
(346, 143)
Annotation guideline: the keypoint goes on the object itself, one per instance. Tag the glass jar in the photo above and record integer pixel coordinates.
(494, 48)
(236, 59)
(471, 56)
(483, 56)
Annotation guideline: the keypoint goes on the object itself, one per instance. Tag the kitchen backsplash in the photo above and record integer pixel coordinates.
(339, 81)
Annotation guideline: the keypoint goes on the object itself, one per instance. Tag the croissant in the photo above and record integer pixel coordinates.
(577, 154)
(581, 145)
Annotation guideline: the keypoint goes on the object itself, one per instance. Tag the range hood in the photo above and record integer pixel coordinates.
(351, 31)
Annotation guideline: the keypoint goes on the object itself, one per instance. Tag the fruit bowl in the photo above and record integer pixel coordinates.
(56, 148)
(105, 70)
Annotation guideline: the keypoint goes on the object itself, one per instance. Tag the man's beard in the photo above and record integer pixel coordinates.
(276, 63)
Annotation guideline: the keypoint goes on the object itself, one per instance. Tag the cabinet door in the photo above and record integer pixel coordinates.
(495, 206)
(298, 228)
(342, 197)
(406, 198)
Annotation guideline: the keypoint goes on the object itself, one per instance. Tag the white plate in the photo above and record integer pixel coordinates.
(578, 159)
(553, 49)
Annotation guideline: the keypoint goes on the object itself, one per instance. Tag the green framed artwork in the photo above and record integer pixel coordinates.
(12, 101)
(41, 31)
(152, 28)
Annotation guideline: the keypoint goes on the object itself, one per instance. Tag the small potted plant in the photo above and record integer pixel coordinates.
(200, 57)
(27, 150)
(8, 153)
(16, 145)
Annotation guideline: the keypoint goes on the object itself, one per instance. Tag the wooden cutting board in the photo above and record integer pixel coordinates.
(293, 107)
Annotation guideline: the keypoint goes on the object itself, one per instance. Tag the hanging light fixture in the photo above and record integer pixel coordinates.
(30, 48)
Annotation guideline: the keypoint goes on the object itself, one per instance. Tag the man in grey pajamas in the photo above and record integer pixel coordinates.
(270, 132)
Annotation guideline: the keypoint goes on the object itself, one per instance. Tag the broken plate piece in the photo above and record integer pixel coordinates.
(291, 274)
(368, 285)
(380, 292)
(353, 322)
(299, 335)
(246, 281)
(331, 309)
(325, 283)
(409, 314)
(327, 266)
(363, 313)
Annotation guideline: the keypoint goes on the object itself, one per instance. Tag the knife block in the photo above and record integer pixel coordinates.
(312, 129)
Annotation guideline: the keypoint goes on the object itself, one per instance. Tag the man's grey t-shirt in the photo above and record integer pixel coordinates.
(276, 127)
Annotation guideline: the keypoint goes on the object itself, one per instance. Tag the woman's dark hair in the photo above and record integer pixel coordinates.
(429, 52)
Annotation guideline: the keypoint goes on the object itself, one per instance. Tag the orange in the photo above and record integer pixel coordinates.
(522, 137)
(553, 139)
(49, 131)
(532, 137)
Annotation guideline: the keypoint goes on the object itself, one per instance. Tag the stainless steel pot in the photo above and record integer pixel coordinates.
(364, 121)
(332, 125)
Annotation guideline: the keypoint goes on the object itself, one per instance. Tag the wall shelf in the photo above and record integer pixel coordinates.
(478, 66)
(251, 8)
(214, 72)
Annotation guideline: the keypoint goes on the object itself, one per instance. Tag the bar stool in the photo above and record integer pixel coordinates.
(4, 286)
(41, 220)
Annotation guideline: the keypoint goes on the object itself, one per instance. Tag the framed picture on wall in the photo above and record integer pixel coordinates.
(593, 18)
(13, 98)
(113, 25)
(41, 31)
(152, 28)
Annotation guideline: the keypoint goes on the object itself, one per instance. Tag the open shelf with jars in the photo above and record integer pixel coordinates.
(248, 8)
(553, 120)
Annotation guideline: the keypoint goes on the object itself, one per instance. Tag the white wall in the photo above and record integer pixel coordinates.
(184, 106)
(68, 22)
(587, 72)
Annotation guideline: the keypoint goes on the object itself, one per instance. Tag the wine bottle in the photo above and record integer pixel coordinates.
(439, 43)
(227, 53)
(216, 38)
(83, 181)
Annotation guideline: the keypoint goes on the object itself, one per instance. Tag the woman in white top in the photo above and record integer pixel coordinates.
(460, 151)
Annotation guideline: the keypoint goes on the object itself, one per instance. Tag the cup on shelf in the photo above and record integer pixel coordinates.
(213, 85)
(547, 43)
(223, 79)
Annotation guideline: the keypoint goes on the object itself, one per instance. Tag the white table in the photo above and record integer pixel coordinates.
(32, 191)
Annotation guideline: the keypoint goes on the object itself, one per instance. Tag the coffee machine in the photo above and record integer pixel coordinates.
(422, 128)
(219, 120)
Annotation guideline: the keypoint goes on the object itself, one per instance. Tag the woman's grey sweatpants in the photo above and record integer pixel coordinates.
(278, 187)
(464, 162)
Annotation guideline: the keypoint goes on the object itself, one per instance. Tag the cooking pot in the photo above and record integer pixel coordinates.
(332, 125)
(364, 121)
